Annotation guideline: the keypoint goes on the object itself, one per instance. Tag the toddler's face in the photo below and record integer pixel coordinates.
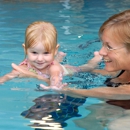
(38, 57)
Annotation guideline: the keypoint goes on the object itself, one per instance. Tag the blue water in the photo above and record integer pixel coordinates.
(77, 23)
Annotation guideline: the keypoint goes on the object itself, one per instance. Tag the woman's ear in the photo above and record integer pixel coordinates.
(57, 47)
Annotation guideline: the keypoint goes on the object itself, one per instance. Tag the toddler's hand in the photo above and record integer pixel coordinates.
(95, 60)
(60, 56)
(53, 87)
(97, 56)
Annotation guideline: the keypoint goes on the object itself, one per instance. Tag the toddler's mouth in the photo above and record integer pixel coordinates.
(40, 63)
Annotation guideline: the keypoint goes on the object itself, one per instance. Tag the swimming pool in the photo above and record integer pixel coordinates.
(77, 23)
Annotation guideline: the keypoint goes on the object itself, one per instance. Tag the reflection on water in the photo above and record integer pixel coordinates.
(100, 117)
(52, 110)
(113, 115)
(123, 122)
(121, 103)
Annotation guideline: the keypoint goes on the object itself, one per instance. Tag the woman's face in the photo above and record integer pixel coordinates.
(115, 54)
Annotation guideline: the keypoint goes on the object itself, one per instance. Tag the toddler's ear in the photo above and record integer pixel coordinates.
(23, 45)
(57, 47)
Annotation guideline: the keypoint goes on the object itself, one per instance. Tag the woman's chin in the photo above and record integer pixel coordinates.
(109, 69)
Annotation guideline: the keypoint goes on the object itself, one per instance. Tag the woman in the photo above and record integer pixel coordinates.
(115, 36)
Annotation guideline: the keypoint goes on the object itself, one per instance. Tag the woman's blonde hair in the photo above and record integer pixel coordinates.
(43, 32)
(119, 27)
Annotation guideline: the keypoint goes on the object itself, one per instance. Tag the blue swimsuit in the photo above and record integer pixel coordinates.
(121, 103)
(109, 83)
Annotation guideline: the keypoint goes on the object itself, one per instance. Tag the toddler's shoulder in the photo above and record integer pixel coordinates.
(56, 66)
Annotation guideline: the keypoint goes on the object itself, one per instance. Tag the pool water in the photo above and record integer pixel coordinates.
(77, 22)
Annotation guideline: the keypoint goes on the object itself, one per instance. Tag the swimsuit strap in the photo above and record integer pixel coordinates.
(109, 83)
(35, 70)
(23, 62)
(122, 71)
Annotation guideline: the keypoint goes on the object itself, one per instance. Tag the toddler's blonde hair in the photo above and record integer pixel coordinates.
(41, 31)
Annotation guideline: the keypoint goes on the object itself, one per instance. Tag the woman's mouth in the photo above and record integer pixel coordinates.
(106, 60)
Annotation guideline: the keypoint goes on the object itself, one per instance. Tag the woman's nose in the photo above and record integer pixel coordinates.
(103, 51)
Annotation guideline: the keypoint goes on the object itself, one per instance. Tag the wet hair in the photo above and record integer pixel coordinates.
(118, 26)
(41, 31)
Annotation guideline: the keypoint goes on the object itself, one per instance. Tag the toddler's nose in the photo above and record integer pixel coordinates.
(40, 58)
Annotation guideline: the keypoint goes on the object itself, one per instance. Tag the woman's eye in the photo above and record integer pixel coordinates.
(109, 47)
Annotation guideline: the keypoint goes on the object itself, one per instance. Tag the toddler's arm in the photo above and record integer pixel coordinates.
(55, 83)
(60, 56)
(25, 73)
(9, 76)
(90, 66)
(56, 75)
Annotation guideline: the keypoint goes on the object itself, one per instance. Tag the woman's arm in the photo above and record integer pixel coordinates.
(118, 93)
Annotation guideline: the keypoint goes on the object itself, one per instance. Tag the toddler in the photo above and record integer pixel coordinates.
(41, 59)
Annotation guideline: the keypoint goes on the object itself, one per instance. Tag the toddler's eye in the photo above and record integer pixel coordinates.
(46, 52)
(34, 52)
